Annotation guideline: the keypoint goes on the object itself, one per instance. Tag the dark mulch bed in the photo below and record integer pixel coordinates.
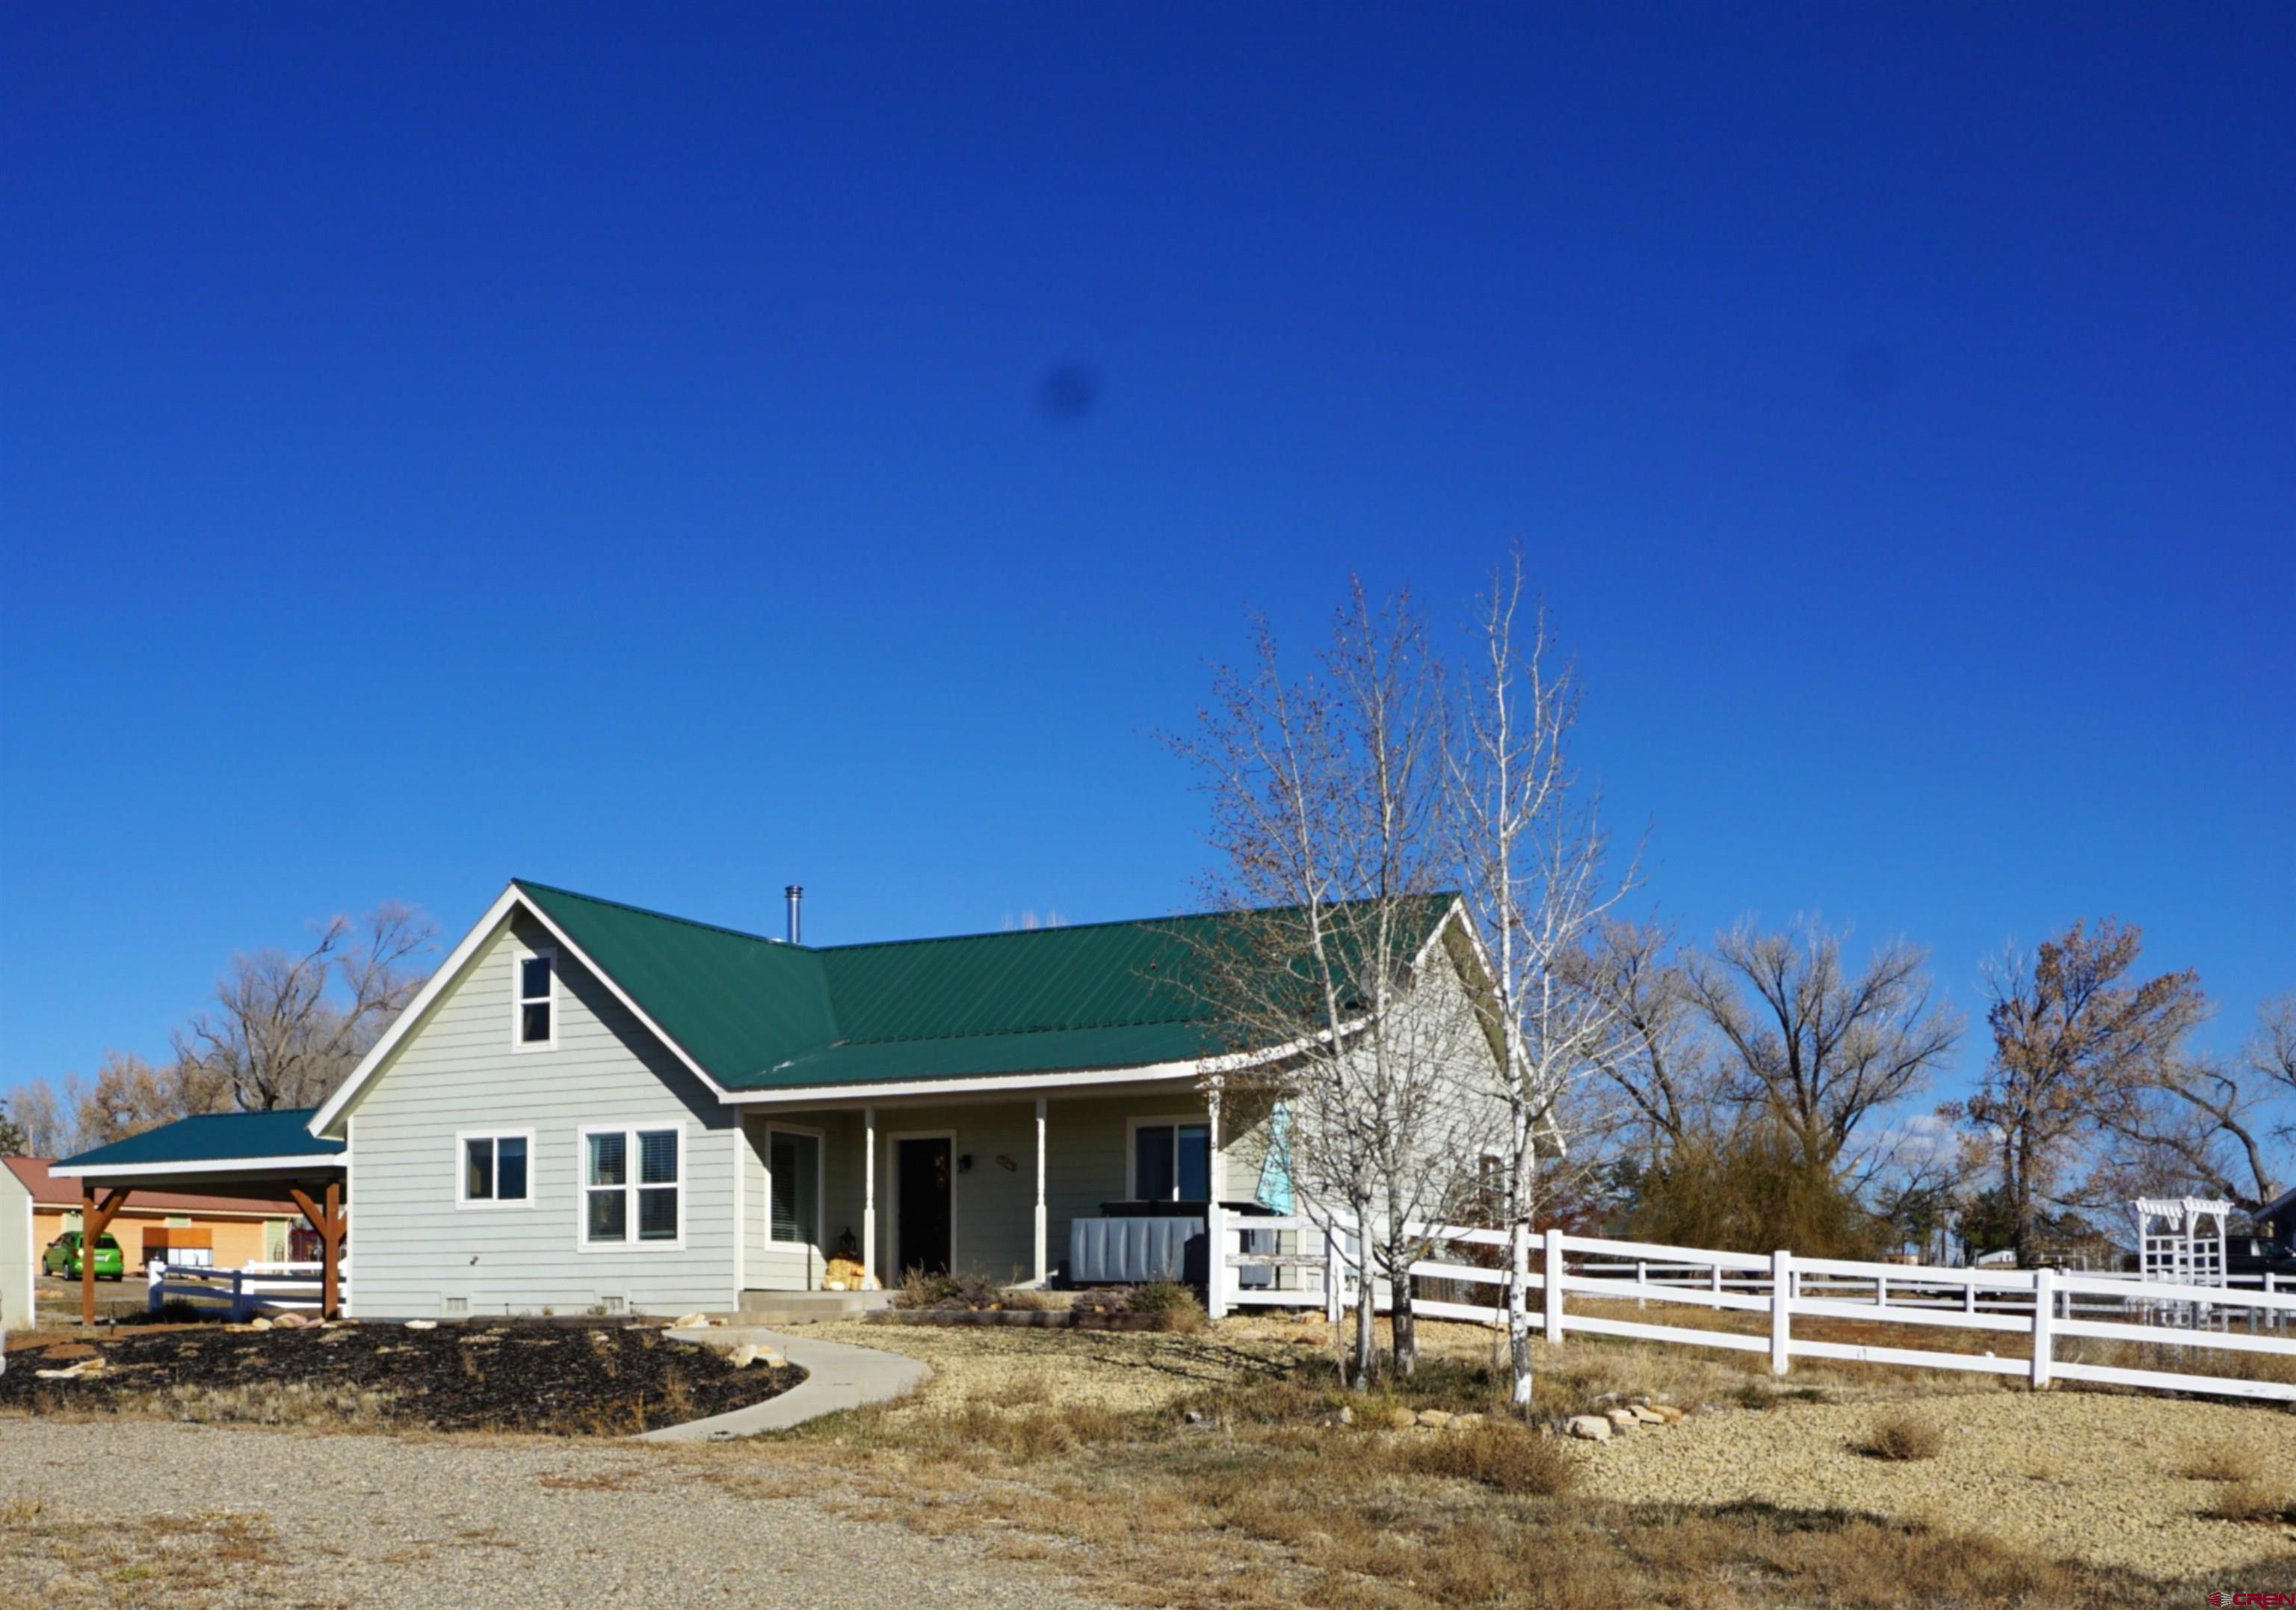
(594, 1379)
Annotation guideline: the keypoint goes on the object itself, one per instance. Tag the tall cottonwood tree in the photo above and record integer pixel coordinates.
(2071, 1041)
(2211, 1123)
(287, 1029)
(1818, 1048)
(1326, 795)
(1531, 850)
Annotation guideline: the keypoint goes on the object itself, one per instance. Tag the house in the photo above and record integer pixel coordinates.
(595, 1108)
(35, 1207)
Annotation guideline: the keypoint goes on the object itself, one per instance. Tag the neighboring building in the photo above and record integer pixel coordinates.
(37, 1206)
(592, 1107)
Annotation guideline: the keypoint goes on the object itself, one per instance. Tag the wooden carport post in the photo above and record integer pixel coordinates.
(93, 1220)
(328, 1221)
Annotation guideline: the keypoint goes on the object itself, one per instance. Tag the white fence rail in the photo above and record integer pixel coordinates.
(1296, 1263)
(281, 1287)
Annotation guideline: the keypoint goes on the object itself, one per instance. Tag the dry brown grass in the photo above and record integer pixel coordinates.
(1235, 1488)
(2226, 1462)
(1902, 1436)
(55, 1559)
(2257, 1498)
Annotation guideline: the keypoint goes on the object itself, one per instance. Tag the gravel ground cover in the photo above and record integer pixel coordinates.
(2080, 1476)
(577, 1379)
(1210, 1445)
(132, 1514)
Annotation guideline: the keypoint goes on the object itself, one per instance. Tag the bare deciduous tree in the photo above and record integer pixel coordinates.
(1820, 1048)
(1531, 850)
(287, 1029)
(47, 1117)
(2209, 1122)
(1660, 1061)
(1325, 793)
(2070, 1042)
(131, 1095)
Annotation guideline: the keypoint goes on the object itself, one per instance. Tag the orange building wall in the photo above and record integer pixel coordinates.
(238, 1242)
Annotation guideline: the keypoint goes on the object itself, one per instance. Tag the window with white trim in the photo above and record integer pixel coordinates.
(496, 1169)
(1171, 1162)
(534, 1008)
(793, 1175)
(632, 1182)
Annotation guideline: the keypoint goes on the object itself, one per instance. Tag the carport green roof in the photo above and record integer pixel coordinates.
(219, 1137)
(760, 1014)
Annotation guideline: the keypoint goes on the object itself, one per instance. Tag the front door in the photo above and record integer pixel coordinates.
(921, 1186)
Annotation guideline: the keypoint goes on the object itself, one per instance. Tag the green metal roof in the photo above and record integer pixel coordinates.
(221, 1137)
(760, 1014)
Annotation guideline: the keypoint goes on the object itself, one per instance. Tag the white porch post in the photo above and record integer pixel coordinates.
(1044, 1273)
(1215, 1223)
(868, 1198)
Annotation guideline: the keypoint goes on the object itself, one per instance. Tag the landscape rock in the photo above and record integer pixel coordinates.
(695, 1321)
(422, 1325)
(292, 1320)
(1591, 1428)
(1620, 1420)
(1401, 1419)
(1436, 1418)
(1669, 1413)
(1341, 1416)
(750, 1353)
(258, 1325)
(1646, 1414)
(1467, 1422)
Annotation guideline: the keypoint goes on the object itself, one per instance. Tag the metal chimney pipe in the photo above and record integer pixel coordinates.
(796, 892)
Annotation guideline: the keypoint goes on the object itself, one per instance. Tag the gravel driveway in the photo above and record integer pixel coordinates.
(133, 1513)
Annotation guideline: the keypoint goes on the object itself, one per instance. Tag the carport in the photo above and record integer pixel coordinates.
(255, 1155)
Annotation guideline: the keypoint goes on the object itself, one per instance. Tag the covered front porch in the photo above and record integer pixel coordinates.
(994, 1184)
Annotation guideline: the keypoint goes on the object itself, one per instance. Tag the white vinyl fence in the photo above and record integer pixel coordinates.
(277, 1287)
(1295, 1262)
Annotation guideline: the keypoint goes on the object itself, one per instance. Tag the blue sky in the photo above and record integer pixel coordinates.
(672, 452)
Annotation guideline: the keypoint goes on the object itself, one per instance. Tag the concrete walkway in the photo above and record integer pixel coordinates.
(838, 1376)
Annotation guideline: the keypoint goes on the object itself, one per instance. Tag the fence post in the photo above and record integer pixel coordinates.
(2045, 1281)
(155, 1276)
(1780, 1311)
(1331, 1275)
(1553, 1287)
(1642, 1279)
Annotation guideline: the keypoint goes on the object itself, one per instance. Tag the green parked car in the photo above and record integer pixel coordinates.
(62, 1257)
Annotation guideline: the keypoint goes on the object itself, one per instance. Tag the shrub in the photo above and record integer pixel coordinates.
(957, 1293)
(2255, 1498)
(1903, 1437)
(2226, 1462)
(1175, 1304)
(1505, 1458)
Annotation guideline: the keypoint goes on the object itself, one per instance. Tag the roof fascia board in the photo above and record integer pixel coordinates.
(127, 1171)
(511, 898)
(1195, 1067)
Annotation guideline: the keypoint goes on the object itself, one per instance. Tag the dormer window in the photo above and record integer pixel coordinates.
(534, 1022)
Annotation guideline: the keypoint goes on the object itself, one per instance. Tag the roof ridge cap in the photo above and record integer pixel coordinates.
(666, 916)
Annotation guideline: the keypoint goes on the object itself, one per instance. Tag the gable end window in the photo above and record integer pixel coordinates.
(495, 1169)
(534, 1003)
(633, 1187)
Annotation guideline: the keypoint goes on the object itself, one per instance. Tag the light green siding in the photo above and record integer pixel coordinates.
(412, 1247)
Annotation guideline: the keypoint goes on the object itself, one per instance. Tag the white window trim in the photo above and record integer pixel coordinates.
(582, 1187)
(892, 1176)
(461, 1178)
(820, 1180)
(1132, 1127)
(522, 954)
